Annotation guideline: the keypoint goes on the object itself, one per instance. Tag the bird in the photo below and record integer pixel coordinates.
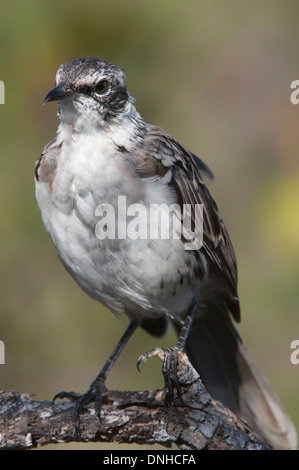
(103, 151)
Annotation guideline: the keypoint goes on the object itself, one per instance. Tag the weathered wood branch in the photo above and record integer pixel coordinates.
(194, 421)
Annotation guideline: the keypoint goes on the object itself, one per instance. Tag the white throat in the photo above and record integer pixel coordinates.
(81, 119)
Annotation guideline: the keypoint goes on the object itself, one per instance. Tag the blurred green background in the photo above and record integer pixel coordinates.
(217, 76)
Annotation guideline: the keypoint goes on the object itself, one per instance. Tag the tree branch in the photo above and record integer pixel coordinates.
(193, 421)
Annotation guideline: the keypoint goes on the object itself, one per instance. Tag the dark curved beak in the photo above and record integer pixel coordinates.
(58, 93)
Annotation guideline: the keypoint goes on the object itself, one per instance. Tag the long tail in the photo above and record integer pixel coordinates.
(231, 376)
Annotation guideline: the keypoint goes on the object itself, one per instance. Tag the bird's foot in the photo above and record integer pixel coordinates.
(95, 393)
(169, 369)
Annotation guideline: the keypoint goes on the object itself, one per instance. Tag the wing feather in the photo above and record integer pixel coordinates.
(162, 153)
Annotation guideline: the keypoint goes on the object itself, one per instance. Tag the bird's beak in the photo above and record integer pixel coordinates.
(58, 93)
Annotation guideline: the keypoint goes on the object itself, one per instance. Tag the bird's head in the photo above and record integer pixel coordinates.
(90, 86)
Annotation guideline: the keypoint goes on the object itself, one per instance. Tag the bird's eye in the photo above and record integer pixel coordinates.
(101, 87)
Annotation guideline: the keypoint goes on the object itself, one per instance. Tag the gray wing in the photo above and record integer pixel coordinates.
(164, 157)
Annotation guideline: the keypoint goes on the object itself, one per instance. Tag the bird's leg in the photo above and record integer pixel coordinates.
(169, 357)
(97, 389)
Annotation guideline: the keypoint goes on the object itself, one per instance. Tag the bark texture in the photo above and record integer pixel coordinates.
(193, 421)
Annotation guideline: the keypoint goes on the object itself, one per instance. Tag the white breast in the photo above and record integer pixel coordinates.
(131, 275)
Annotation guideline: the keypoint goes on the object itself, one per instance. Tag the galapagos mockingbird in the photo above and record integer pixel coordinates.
(104, 150)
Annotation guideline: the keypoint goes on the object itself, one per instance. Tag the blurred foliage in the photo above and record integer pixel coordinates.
(216, 75)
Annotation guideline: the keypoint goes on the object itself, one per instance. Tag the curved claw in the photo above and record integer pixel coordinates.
(72, 396)
(158, 351)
